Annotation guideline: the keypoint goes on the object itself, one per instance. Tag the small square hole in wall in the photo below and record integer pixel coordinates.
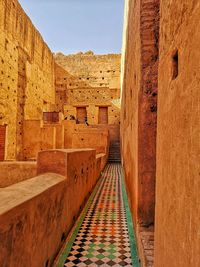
(175, 65)
(6, 44)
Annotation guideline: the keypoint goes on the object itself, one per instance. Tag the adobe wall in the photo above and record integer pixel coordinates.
(113, 129)
(82, 136)
(88, 80)
(129, 103)
(177, 235)
(13, 172)
(86, 137)
(139, 106)
(39, 212)
(39, 136)
(32, 215)
(98, 67)
(27, 74)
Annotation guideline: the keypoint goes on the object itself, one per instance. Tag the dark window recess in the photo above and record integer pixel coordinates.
(51, 117)
(81, 114)
(175, 65)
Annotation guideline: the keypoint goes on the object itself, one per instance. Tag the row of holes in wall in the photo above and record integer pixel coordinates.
(88, 78)
(95, 97)
(86, 85)
(22, 25)
(80, 78)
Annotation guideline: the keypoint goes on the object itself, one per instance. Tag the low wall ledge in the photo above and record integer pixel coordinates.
(17, 194)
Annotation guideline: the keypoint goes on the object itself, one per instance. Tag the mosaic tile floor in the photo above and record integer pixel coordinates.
(105, 236)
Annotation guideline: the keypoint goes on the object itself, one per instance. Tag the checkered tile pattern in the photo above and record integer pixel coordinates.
(103, 238)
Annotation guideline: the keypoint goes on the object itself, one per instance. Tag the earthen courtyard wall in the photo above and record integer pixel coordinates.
(129, 111)
(139, 106)
(177, 212)
(36, 215)
(177, 238)
(39, 136)
(27, 74)
(12, 172)
(89, 80)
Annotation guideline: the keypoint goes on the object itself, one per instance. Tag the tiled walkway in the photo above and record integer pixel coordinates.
(104, 234)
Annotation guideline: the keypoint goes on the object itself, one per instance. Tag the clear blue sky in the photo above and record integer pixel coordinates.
(70, 26)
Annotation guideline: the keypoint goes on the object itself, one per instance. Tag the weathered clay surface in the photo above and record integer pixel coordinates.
(27, 75)
(139, 107)
(67, 134)
(37, 214)
(17, 171)
(177, 235)
(86, 137)
(31, 84)
(177, 209)
(32, 216)
(129, 102)
(88, 80)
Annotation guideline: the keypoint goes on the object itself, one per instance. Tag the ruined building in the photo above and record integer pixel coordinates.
(68, 197)
(27, 77)
(36, 91)
(88, 85)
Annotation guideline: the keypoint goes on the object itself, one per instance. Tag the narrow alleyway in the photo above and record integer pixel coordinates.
(103, 235)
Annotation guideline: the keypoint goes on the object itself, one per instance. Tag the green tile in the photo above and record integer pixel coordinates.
(100, 256)
(92, 245)
(101, 245)
(89, 256)
(111, 257)
(91, 250)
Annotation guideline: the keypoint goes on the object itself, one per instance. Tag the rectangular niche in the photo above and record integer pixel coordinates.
(175, 65)
(2, 141)
(103, 115)
(51, 117)
(81, 114)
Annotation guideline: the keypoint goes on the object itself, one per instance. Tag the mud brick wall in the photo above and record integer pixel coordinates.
(147, 109)
(177, 233)
(36, 215)
(88, 80)
(139, 106)
(27, 74)
(13, 172)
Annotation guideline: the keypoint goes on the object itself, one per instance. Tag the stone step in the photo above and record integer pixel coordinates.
(114, 152)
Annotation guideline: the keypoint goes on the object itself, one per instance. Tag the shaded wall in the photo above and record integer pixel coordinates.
(177, 232)
(139, 106)
(177, 239)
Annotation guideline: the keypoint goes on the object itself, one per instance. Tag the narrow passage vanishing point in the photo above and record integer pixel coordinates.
(103, 235)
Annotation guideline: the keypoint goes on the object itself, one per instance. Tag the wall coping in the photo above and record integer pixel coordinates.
(17, 194)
